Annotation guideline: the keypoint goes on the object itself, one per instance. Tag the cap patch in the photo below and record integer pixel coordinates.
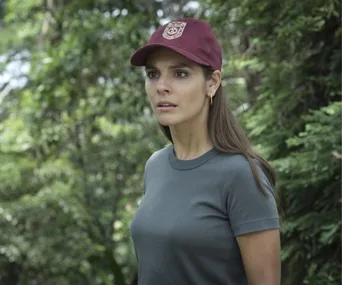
(174, 30)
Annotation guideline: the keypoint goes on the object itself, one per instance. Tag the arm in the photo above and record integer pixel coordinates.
(260, 253)
(255, 222)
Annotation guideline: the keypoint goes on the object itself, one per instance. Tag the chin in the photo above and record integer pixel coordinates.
(171, 120)
(168, 122)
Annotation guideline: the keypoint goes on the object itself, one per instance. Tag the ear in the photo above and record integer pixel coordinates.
(214, 82)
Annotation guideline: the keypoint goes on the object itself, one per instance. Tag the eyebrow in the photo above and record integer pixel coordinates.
(175, 66)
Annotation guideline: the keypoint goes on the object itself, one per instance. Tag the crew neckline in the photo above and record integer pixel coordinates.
(186, 164)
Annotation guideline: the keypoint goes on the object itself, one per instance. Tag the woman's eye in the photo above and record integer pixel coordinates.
(151, 74)
(181, 74)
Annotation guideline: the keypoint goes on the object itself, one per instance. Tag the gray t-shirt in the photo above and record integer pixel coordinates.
(184, 231)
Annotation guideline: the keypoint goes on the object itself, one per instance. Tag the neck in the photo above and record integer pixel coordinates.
(190, 142)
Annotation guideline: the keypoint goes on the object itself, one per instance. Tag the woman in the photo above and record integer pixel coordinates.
(208, 215)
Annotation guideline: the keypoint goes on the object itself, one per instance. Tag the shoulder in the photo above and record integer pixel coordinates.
(240, 171)
(158, 156)
(234, 163)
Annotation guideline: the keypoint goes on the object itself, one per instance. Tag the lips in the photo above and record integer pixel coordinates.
(165, 104)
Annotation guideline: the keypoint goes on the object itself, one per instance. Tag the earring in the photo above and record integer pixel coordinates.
(211, 98)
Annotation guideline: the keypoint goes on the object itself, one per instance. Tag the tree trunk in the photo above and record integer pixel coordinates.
(115, 267)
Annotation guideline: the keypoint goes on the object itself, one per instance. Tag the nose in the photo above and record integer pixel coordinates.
(163, 88)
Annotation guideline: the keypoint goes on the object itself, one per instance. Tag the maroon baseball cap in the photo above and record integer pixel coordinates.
(190, 37)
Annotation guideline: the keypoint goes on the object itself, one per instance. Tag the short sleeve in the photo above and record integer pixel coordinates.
(144, 189)
(144, 179)
(248, 209)
(148, 162)
(146, 167)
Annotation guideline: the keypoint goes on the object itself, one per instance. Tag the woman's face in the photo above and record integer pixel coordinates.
(176, 88)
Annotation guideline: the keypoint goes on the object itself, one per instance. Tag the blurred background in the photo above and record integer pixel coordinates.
(76, 129)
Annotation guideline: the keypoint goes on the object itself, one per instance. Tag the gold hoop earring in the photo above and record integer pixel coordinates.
(211, 98)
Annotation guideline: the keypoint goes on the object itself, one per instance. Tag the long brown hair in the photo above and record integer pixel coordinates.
(228, 136)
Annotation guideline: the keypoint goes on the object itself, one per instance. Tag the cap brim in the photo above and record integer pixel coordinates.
(140, 56)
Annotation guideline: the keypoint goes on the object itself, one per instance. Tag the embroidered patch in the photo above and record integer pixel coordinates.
(174, 30)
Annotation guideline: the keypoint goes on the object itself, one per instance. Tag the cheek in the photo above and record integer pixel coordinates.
(196, 95)
(146, 87)
(148, 90)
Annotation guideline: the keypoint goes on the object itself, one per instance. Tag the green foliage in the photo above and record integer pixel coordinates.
(312, 204)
